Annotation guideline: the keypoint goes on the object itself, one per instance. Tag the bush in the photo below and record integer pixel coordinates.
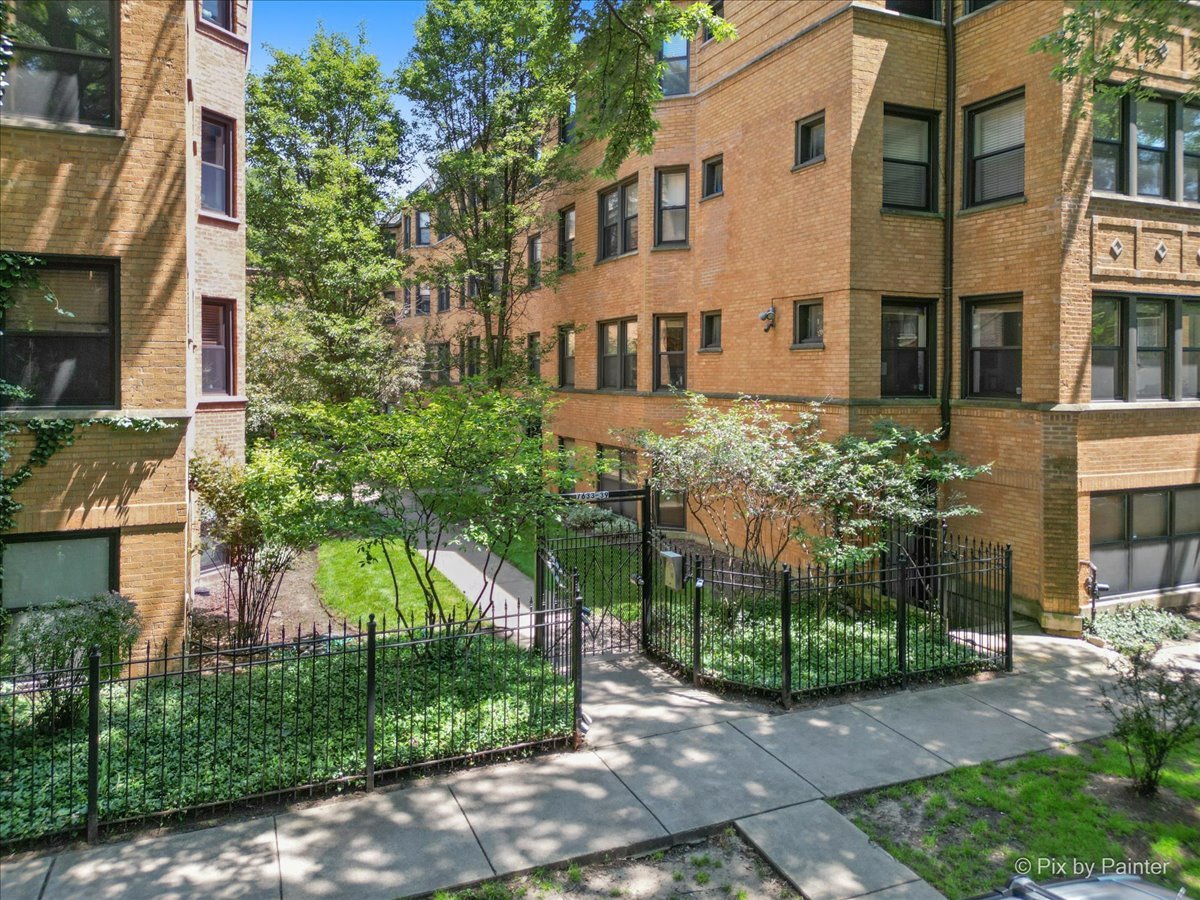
(52, 643)
(587, 517)
(1156, 709)
(1138, 626)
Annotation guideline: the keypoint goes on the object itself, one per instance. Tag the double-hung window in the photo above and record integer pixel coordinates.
(671, 207)
(906, 341)
(994, 341)
(1145, 348)
(533, 353)
(424, 228)
(423, 292)
(618, 355)
(535, 261)
(566, 239)
(216, 346)
(670, 352)
(64, 67)
(1108, 143)
(216, 163)
(471, 357)
(566, 357)
(996, 150)
(618, 220)
(566, 122)
(1147, 540)
(217, 12)
(908, 141)
(1145, 147)
(64, 353)
(674, 60)
(443, 298)
(40, 568)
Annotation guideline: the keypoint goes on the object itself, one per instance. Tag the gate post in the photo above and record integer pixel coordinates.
(371, 703)
(647, 568)
(696, 664)
(1008, 610)
(902, 622)
(785, 634)
(539, 589)
(577, 661)
(93, 746)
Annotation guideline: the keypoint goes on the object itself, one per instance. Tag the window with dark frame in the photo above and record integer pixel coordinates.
(670, 353)
(670, 510)
(1145, 347)
(535, 261)
(566, 357)
(718, 10)
(810, 139)
(1108, 143)
(217, 12)
(39, 568)
(1153, 129)
(995, 143)
(443, 298)
(566, 123)
(674, 56)
(68, 361)
(1153, 374)
(618, 355)
(906, 342)
(618, 473)
(64, 64)
(216, 347)
(808, 323)
(566, 239)
(710, 331)
(533, 353)
(994, 341)
(618, 220)
(1162, 159)
(472, 357)
(924, 9)
(437, 362)
(423, 292)
(1108, 341)
(406, 310)
(407, 231)
(216, 164)
(1189, 364)
(908, 142)
(976, 5)
(1146, 540)
(670, 207)
(714, 176)
(424, 228)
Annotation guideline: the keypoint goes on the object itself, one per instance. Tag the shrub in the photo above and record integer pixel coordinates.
(52, 643)
(587, 516)
(1138, 626)
(1156, 709)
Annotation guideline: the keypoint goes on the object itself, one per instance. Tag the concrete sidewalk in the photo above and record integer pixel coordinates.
(663, 761)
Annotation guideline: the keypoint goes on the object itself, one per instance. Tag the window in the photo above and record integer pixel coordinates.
(437, 362)
(710, 331)
(908, 141)
(618, 220)
(994, 348)
(810, 139)
(670, 342)
(216, 164)
(213, 554)
(533, 354)
(63, 66)
(566, 123)
(671, 207)
(1108, 143)
(670, 510)
(40, 568)
(65, 360)
(216, 346)
(1147, 540)
(535, 261)
(976, 5)
(1145, 348)
(618, 355)
(618, 473)
(566, 357)
(1191, 153)
(407, 232)
(808, 324)
(443, 298)
(925, 9)
(904, 368)
(996, 150)
(423, 300)
(1163, 157)
(471, 357)
(714, 176)
(1153, 158)
(566, 239)
(443, 223)
(424, 228)
(498, 279)
(406, 310)
(718, 9)
(674, 57)
(217, 12)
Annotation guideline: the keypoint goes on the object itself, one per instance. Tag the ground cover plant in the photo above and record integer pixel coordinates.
(353, 586)
(272, 721)
(966, 831)
(1138, 626)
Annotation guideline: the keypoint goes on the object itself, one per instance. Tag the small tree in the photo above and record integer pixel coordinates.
(461, 464)
(1156, 709)
(263, 514)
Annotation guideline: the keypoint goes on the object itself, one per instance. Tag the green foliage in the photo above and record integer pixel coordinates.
(293, 718)
(53, 642)
(588, 517)
(1156, 709)
(263, 513)
(1132, 627)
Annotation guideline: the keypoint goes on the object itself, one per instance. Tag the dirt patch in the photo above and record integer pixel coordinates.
(720, 866)
(1163, 807)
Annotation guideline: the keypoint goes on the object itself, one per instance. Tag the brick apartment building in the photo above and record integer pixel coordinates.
(803, 173)
(121, 160)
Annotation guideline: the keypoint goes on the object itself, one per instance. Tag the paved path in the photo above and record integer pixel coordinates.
(663, 761)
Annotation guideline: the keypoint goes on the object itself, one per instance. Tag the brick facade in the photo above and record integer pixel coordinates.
(132, 192)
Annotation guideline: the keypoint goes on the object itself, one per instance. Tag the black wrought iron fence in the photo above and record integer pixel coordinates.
(788, 632)
(168, 733)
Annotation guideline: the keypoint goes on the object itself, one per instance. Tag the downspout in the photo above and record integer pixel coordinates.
(948, 222)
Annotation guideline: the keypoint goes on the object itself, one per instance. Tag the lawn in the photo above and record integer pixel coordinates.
(354, 590)
(967, 832)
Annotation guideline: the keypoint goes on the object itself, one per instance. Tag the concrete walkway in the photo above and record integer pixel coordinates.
(663, 762)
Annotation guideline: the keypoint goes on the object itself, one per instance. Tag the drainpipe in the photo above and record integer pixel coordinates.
(948, 221)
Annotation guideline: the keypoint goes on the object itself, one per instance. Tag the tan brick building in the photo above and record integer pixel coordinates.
(121, 161)
(802, 171)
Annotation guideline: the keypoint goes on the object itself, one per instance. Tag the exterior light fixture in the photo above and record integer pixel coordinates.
(768, 317)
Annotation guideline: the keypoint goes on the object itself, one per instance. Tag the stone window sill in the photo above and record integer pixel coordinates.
(210, 217)
(29, 123)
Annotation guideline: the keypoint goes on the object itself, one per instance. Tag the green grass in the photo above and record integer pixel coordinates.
(965, 831)
(294, 718)
(522, 554)
(353, 590)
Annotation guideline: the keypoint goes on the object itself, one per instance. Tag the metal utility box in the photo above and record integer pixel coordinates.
(672, 564)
